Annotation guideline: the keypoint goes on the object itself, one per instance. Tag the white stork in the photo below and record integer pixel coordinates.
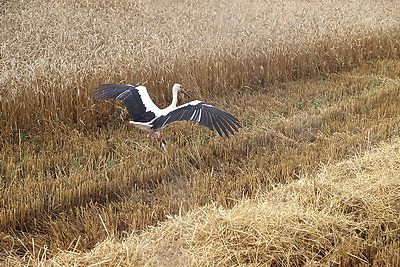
(147, 116)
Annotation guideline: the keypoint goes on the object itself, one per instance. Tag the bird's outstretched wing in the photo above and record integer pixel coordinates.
(203, 113)
(136, 99)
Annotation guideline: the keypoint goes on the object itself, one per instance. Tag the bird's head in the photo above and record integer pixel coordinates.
(179, 89)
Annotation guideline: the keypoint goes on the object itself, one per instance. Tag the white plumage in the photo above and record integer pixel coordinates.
(148, 117)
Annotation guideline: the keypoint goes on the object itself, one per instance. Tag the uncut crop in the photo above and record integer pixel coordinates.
(72, 171)
(54, 52)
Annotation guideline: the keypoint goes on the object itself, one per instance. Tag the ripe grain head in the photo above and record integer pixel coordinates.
(210, 47)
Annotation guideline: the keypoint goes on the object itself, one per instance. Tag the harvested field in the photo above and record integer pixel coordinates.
(346, 214)
(313, 82)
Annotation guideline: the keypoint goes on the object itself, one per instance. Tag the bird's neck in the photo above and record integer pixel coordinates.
(174, 101)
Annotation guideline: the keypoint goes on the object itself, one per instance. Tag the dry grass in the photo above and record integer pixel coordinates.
(347, 214)
(73, 172)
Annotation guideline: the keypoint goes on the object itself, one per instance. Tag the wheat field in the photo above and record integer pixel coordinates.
(312, 82)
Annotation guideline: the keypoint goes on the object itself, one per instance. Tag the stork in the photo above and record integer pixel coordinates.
(147, 116)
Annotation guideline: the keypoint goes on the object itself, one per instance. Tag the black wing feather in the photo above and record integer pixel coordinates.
(129, 94)
(228, 126)
(207, 121)
(232, 119)
(217, 123)
(224, 121)
(213, 118)
(228, 120)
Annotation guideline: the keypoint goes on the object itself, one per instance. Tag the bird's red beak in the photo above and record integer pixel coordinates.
(184, 92)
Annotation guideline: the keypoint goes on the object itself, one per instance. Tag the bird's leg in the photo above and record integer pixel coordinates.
(159, 138)
(162, 143)
(150, 135)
